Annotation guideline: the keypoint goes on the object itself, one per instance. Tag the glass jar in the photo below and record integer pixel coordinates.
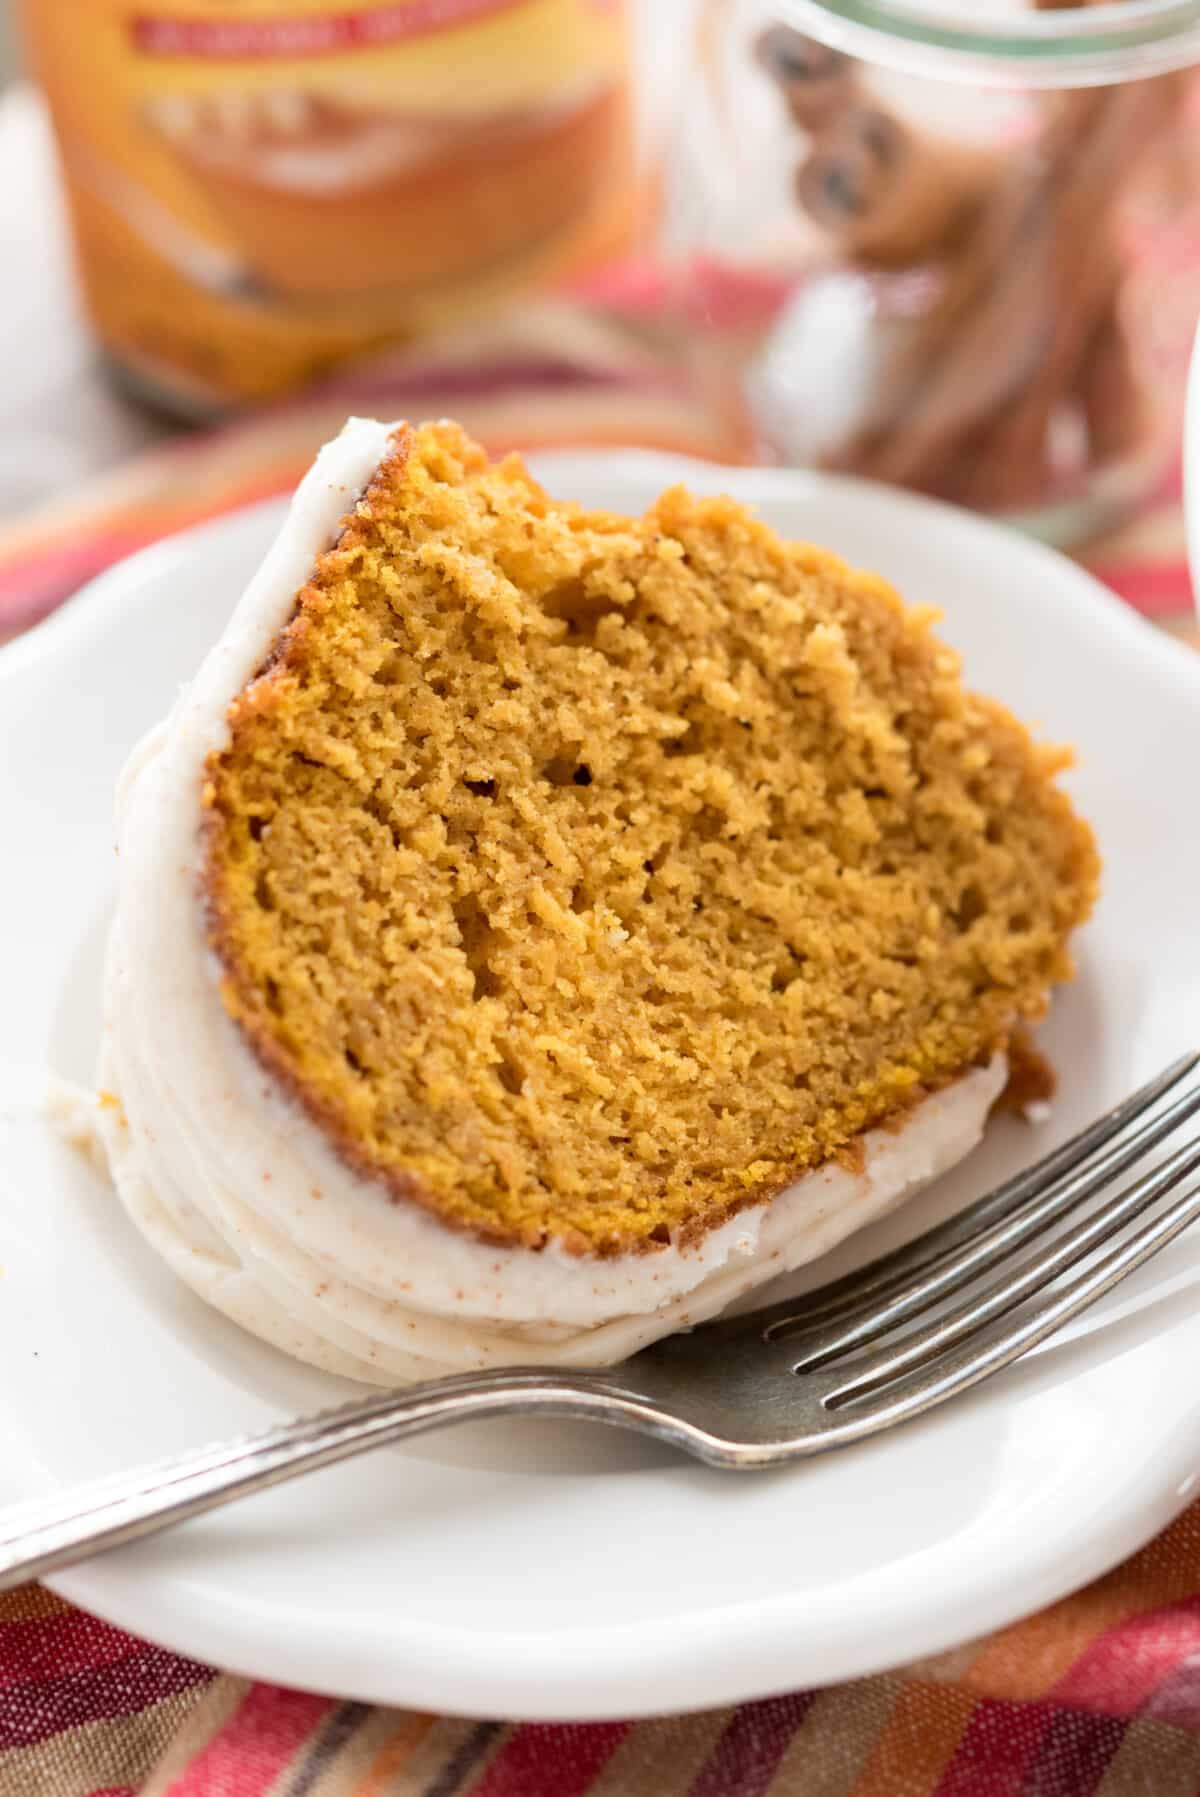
(953, 249)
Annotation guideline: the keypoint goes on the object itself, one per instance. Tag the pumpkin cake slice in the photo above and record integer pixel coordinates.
(537, 927)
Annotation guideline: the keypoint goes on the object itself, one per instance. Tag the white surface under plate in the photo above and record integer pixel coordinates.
(549, 1570)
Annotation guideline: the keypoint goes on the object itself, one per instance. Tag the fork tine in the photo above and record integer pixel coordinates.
(913, 1256)
(975, 1360)
(922, 1346)
(943, 1259)
(948, 1272)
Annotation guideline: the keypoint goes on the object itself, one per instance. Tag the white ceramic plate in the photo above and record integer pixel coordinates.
(552, 1571)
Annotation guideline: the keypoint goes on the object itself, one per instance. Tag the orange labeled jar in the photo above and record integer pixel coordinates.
(263, 189)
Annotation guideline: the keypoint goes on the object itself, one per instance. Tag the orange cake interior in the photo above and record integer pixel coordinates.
(590, 877)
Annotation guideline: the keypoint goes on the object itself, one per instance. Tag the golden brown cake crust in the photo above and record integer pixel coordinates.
(591, 878)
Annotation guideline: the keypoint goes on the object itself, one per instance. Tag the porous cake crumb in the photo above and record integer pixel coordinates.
(591, 878)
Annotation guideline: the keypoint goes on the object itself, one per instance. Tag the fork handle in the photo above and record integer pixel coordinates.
(49, 1533)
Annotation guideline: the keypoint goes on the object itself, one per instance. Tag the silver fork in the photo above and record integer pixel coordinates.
(821, 1371)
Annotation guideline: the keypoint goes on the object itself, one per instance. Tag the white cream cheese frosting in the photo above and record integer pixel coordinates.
(241, 1193)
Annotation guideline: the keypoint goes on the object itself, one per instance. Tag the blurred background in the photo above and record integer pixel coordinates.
(122, 227)
(952, 248)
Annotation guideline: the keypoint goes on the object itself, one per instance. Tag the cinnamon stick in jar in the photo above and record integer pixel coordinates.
(966, 404)
(1019, 373)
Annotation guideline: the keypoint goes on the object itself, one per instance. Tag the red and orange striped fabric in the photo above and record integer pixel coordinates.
(1097, 1697)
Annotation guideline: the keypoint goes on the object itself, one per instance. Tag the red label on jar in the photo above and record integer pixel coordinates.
(305, 36)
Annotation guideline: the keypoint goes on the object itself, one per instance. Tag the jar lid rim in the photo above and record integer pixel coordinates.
(1063, 46)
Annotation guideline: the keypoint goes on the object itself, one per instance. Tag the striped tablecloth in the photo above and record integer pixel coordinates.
(1099, 1695)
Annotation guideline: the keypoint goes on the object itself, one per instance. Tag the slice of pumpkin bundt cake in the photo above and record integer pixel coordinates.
(538, 926)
